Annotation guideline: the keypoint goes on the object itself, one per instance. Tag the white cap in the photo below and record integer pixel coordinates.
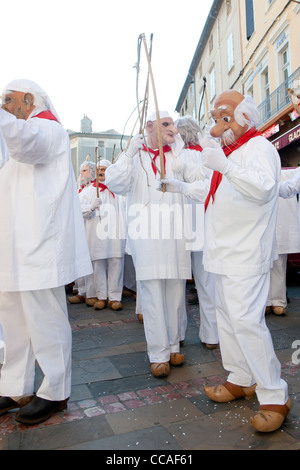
(28, 86)
(162, 114)
(105, 163)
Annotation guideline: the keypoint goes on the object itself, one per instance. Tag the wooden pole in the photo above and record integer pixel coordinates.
(97, 176)
(161, 155)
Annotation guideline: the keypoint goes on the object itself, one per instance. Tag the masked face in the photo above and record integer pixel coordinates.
(85, 175)
(17, 103)
(168, 132)
(226, 128)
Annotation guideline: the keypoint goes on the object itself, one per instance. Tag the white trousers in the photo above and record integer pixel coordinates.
(106, 281)
(205, 284)
(161, 301)
(277, 292)
(245, 341)
(36, 328)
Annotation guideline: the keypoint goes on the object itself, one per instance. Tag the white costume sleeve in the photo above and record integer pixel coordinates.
(4, 155)
(29, 141)
(256, 177)
(290, 187)
(119, 176)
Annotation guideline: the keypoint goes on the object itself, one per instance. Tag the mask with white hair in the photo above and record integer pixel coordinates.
(41, 102)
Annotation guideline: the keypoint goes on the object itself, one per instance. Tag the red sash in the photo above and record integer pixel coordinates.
(217, 177)
(46, 115)
(102, 187)
(166, 149)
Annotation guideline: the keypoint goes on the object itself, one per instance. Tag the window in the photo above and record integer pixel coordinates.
(249, 18)
(266, 91)
(228, 7)
(212, 84)
(284, 64)
(230, 53)
(211, 43)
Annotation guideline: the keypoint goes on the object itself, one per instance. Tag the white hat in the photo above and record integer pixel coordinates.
(162, 114)
(28, 86)
(105, 163)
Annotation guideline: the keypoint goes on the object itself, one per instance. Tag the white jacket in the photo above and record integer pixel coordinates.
(155, 220)
(42, 238)
(241, 222)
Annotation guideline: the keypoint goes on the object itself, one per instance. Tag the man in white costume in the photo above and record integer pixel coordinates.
(87, 176)
(197, 191)
(42, 247)
(155, 236)
(240, 246)
(104, 214)
(288, 241)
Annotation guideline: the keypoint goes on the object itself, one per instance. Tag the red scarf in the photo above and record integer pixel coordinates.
(102, 187)
(217, 177)
(166, 149)
(195, 147)
(46, 115)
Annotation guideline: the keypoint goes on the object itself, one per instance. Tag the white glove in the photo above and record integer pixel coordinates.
(96, 203)
(207, 142)
(136, 143)
(174, 186)
(215, 159)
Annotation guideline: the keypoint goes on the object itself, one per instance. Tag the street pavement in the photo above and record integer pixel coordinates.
(116, 404)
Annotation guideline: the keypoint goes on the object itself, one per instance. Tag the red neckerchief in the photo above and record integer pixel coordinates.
(217, 177)
(166, 149)
(102, 187)
(84, 185)
(195, 147)
(46, 115)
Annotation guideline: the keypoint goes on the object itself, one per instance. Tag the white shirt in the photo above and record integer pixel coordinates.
(105, 228)
(42, 238)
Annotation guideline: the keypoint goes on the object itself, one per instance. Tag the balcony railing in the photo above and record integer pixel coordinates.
(277, 100)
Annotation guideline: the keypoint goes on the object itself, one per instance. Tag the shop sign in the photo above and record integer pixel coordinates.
(287, 138)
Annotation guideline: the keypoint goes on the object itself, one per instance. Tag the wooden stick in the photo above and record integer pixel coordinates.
(161, 155)
(97, 176)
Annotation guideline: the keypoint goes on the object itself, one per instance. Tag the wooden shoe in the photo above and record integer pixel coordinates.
(268, 310)
(160, 369)
(229, 392)
(280, 311)
(210, 346)
(176, 359)
(76, 299)
(115, 305)
(100, 304)
(140, 317)
(270, 417)
(91, 301)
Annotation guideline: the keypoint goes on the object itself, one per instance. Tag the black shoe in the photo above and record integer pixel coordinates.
(39, 410)
(7, 404)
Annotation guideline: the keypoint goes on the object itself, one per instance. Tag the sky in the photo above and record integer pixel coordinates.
(84, 54)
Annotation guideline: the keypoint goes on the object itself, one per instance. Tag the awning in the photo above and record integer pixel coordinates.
(288, 138)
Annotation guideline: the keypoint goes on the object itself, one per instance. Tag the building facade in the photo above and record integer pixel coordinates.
(86, 144)
(250, 46)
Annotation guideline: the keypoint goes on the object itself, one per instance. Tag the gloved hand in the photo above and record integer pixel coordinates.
(96, 203)
(207, 141)
(215, 159)
(136, 143)
(174, 186)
